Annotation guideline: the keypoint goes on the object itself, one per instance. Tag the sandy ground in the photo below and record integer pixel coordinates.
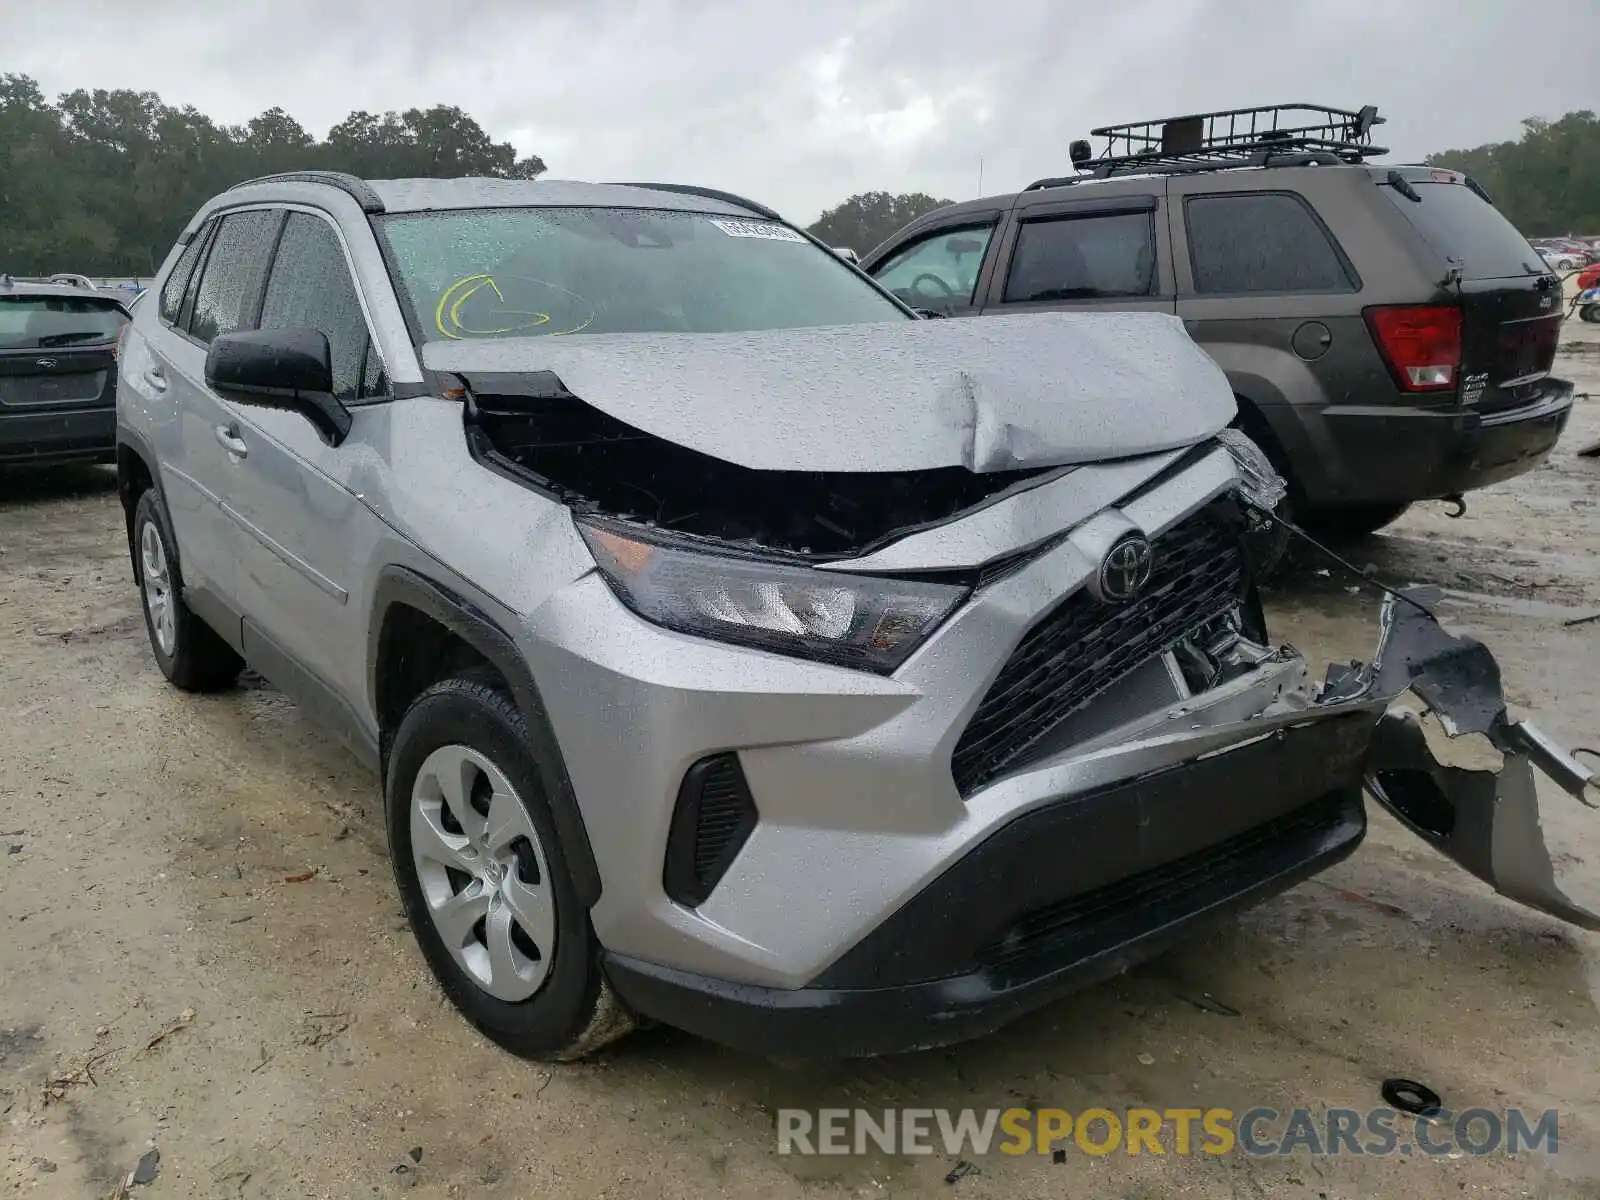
(149, 840)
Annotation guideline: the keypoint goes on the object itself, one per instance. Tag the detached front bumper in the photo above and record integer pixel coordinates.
(1051, 902)
(1055, 899)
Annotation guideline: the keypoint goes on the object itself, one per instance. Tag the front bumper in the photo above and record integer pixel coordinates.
(1051, 902)
(38, 437)
(1398, 455)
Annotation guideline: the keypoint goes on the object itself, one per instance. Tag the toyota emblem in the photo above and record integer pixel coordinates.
(1127, 567)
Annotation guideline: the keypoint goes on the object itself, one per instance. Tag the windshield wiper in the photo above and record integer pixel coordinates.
(79, 335)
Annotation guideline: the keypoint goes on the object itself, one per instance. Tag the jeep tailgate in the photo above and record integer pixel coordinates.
(1510, 304)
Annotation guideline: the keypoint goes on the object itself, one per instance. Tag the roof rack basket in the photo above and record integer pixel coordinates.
(1271, 135)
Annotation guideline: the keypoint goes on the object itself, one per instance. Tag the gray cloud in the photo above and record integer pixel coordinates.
(802, 105)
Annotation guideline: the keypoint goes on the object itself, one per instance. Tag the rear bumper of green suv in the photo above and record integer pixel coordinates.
(1386, 454)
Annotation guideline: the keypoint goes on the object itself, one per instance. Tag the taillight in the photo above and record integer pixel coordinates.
(1420, 342)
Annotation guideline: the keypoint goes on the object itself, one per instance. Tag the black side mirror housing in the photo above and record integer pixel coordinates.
(291, 369)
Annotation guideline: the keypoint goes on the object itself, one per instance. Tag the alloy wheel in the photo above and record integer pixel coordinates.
(156, 583)
(483, 872)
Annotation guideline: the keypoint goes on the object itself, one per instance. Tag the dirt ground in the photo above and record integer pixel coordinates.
(150, 844)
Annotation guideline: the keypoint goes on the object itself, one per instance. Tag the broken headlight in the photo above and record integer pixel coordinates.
(1259, 482)
(869, 623)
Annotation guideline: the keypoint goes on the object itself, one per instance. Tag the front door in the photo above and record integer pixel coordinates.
(305, 532)
(941, 270)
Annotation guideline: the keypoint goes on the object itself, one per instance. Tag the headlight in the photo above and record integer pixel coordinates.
(1259, 482)
(869, 623)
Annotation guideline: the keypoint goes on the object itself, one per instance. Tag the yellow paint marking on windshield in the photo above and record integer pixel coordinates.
(447, 314)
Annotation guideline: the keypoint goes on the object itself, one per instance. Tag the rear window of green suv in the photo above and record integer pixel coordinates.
(1460, 225)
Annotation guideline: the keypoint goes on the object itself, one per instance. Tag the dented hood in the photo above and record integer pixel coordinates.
(992, 394)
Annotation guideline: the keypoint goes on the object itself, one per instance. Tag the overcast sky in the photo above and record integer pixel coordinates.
(802, 104)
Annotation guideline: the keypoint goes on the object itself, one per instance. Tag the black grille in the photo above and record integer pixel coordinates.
(1085, 645)
(1121, 910)
(714, 817)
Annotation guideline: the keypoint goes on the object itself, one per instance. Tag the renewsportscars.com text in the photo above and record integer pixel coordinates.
(1259, 1132)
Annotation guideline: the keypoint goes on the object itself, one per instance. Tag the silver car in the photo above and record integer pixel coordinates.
(737, 649)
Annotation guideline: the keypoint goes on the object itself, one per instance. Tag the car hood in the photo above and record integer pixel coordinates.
(991, 394)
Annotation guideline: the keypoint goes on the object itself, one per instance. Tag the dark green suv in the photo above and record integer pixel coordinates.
(1388, 333)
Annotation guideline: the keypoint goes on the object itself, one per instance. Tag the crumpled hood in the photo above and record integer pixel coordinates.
(988, 394)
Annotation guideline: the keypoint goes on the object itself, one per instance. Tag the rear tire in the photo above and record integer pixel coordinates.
(480, 873)
(1590, 313)
(1351, 522)
(189, 652)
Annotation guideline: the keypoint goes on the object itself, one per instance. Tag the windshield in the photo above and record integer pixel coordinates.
(521, 272)
(40, 322)
(1462, 226)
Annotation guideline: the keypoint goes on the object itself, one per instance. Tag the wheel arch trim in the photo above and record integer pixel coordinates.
(402, 586)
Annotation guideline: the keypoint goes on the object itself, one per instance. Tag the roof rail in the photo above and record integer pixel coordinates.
(689, 189)
(357, 189)
(1272, 135)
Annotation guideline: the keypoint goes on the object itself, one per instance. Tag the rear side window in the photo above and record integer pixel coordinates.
(1460, 225)
(1083, 258)
(1262, 242)
(230, 283)
(311, 288)
(176, 288)
(50, 322)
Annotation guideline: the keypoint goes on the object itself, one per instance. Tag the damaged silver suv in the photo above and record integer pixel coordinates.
(739, 650)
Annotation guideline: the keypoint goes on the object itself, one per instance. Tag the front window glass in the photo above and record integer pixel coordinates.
(939, 271)
(546, 272)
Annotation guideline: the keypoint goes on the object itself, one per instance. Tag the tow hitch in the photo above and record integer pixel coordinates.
(1451, 764)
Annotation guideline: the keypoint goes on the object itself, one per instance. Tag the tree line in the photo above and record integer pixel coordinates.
(101, 181)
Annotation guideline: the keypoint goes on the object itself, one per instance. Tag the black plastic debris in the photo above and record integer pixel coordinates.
(416, 1154)
(1058, 1157)
(960, 1171)
(1206, 1002)
(14, 849)
(1412, 1097)
(149, 1167)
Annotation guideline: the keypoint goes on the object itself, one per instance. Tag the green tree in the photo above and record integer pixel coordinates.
(868, 219)
(1547, 182)
(101, 181)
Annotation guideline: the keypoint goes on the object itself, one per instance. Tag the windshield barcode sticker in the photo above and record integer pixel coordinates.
(758, 229)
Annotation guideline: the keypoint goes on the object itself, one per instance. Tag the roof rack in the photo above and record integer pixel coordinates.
(689, 189)
(59, 279)
(357, 189)
(1272, 135)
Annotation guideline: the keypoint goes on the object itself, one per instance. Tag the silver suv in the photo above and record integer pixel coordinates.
(737, 649)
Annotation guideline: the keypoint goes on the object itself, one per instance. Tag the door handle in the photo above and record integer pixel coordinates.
(156, 379)
(228, 438)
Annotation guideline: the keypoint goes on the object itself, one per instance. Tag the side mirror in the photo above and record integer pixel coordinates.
(290, 369)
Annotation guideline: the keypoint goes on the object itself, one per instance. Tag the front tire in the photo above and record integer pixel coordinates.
(189, 652)
(480, 873)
